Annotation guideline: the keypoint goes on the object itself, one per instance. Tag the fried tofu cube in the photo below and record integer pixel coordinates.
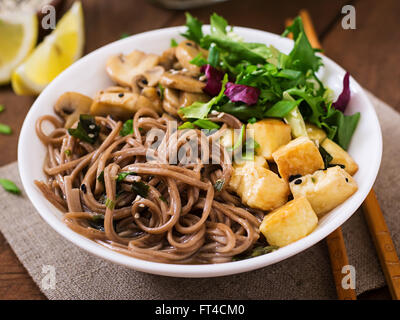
(314, 133)
(289, 223)
(340, 156)
(299, 157)
(270, 134)
(259, 187)
(325, 189)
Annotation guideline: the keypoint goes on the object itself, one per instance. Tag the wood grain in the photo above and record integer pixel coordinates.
(383, 243)
(370, 54)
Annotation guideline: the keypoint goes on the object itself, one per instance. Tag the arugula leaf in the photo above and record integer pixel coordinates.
(242, 111)
(9, 186)
(200, 110)
(315, 103)
(194, 29)
(218, 25)
(87, 129)
(127, 128)
(140, 188)
(173, 43)
(341, 127)
(199, 60)
(302, 57)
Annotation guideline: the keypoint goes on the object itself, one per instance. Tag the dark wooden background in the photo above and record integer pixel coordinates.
(371, 53)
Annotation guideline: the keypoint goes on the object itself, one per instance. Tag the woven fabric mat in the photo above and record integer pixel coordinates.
(80, 275)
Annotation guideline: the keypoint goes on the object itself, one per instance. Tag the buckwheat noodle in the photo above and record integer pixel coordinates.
(183, 219)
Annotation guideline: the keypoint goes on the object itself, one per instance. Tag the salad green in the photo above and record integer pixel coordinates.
(287, 84)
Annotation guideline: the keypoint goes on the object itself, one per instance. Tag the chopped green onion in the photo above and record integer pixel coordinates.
(219, 184)
(5, 129)
(199, 60)
(161, 88)
(110, 204)
(9, 186)
(123, 175)
(173, 43)
(68, 152)
(252, 120)
(140, 188)
(206, 124)
(186, 125)
(2, 107)
(162, 198)
(100, 178)
(124, 35)
(127, 128)
(239, 141)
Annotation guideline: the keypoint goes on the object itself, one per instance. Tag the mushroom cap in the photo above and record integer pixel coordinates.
(70, 105)
(181, 82)
(122, 68)
(185, 52)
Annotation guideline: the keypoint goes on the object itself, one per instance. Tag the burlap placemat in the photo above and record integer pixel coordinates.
(80, 275)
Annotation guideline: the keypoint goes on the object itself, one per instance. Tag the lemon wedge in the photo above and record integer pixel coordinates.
(57, 51)
(18, 36)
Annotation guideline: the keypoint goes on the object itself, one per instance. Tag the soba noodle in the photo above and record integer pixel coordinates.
(182, 219)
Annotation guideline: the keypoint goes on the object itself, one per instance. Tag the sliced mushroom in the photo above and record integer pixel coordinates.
(117, 89)
(70, 105)
(124, 104)
(122, 68)
(181, 82)
(171, 101)
(186, 51)
(188, 98)
(168, 58)
(153, 75)
(152, 94)
(148, 78)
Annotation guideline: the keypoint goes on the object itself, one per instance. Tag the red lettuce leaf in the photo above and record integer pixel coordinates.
(214, 80)
(344, 98)
(240, 92)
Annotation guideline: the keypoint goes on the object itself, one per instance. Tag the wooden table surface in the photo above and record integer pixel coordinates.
(370, 53)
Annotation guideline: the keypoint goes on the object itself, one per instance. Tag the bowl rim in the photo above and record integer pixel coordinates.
(178, 270)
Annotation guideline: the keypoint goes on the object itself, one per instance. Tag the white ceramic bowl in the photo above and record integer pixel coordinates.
(88, 75)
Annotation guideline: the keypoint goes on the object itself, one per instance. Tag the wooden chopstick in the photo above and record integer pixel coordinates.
(335, 242)
(383, 243)
(373, 214)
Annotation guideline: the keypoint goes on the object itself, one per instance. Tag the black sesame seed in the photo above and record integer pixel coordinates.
(83, 188)
(294, 177)
(298, 181)
(347, 180)
(144, 81)
(120, 95)
(189, 44)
